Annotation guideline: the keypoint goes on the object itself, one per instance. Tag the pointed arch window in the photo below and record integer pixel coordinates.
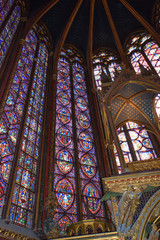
(135, 144)
(8, 30)
(105, 62)
(76, 175)
(21, 132)
(142, 49)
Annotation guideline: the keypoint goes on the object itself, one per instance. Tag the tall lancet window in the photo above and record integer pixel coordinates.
(135, 144)
(10, 15)
(76, 175)
(143, 51)
(21, 132)
(107, 63)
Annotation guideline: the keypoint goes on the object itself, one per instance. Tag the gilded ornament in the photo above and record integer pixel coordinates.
(51, 228)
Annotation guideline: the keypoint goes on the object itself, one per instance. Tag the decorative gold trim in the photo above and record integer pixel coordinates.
(83, 225)
(119, 183)
(7, 234)
(141, 222)
(152, 164)
(100, 236)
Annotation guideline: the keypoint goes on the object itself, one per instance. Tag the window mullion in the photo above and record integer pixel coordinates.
(129, 141)
(78, 183)
(149, 63)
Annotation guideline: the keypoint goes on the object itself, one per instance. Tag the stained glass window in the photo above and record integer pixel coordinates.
(21, 131)
(74, 134)
(133, 137)
(8, 32)
(89, 174)
(64, 175)
(142, 49)
(13, 111)
(107, 62)
(23, 200)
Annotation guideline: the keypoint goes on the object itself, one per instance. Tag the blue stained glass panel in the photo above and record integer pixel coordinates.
(85, 141)
(63, 98)
(83, 120)
(78, 77)
(64, 115)
(92, 198)
(64, 161)
(81, 103)
(64, 136)
(64, 194)
(88, 165)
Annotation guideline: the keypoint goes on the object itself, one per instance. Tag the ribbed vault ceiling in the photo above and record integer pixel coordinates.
(57, 17)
